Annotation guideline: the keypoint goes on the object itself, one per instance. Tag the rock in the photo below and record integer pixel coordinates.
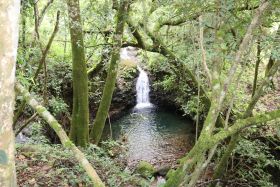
(162, 170)
(145, 169)
(115, 151)
(28, 150)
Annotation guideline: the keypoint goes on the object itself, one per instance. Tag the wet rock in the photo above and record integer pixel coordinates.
(162, 170)
(145, 169)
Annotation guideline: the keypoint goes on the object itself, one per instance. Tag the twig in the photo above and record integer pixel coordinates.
(111, 132)
(26, 123)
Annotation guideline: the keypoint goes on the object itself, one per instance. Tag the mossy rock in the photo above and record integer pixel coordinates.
(145, 169)
(170, 173)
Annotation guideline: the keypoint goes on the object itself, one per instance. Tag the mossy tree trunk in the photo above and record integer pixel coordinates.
(79, 132)
(44, 113)
(9, 29)
(109, 87)
(23, 23)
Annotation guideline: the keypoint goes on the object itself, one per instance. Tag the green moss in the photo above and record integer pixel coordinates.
(174, 177)
(79, 132)
(145, 169)
(55, 125)
(40, 109)
(68, 144)
(170, 173)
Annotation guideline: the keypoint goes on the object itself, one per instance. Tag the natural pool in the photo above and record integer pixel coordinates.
(153, 135)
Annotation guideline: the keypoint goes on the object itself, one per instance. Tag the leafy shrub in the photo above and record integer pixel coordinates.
(252, 160)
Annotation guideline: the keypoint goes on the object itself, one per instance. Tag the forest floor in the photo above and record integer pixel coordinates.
(55, 166)
(271, 101)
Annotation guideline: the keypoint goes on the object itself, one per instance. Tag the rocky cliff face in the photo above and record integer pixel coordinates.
(124, 97)
(160, 96)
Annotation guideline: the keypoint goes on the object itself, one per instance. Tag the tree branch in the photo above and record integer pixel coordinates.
(42, 14)
(25, 124)
(45, 52)
(244, 44)
(220, 93)
(184, 18)
(258, 120)
(204, 64)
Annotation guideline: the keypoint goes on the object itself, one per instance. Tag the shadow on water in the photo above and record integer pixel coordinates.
(153, 135)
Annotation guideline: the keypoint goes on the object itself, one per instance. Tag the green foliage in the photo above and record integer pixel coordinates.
(168, 82)
(190, 108)
(58, 167)
(127, 72)
(170, 173)
(58, 106)
(254, 158)
(59, 82)
(36, 133)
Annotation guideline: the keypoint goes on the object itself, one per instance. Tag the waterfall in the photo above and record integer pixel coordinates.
(142, 90)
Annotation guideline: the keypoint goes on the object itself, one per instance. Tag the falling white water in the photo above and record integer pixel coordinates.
(143, 90)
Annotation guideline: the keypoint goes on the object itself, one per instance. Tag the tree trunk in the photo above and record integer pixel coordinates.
(44, 113)
(257, 67)
(9, 29)
(80, 113)
(23, 22)
(109, 87)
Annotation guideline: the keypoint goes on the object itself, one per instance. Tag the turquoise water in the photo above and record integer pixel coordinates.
(153, 135)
